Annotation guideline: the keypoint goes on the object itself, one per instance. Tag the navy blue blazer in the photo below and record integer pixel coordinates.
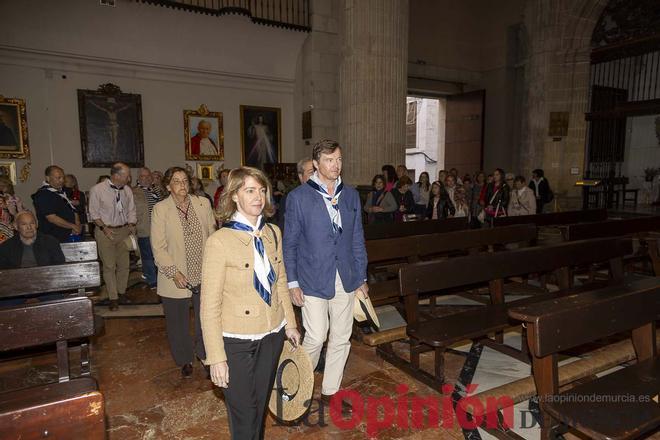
(313, 253)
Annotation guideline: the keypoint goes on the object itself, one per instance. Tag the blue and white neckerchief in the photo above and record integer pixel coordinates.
(60, 192)
(331, 202)
(119, 204)
(264, 274)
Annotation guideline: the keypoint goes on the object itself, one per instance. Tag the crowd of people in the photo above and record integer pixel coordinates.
(479, 197)
(242, 275)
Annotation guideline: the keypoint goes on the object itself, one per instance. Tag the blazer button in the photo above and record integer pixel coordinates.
(247, 265)
(247, 312)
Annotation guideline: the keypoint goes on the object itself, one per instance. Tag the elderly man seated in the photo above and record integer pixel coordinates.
(29, 248)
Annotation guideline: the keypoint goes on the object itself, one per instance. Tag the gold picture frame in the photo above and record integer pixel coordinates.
(261, 136)
(13, 129)
(202, 138)
(205, 171)
(8, 169)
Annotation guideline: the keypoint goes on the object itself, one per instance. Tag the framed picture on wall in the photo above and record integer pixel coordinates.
(261, 136)
(205, 171)
(13, 129)
(110, 127)
(204, 134)
(8, 169)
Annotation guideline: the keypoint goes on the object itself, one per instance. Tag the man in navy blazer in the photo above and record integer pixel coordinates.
(326, 260)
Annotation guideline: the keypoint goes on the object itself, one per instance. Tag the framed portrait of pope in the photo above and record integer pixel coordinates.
(204, 135)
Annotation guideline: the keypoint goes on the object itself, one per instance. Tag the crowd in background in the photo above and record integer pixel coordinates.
(479, 197)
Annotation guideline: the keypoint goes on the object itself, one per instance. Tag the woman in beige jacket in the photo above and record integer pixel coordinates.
(180, 225)
(246, 311)
(522, 200)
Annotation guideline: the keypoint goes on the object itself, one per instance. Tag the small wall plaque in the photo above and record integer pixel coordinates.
(558, 125)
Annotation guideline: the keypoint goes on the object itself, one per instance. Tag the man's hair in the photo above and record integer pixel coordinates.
(324, 146)
(227, 207)
(539, 172)
(145, 168)
(117, 167)
(51, 168)
(520, 179)
(301, 165)
(402, 166)
(24, 212)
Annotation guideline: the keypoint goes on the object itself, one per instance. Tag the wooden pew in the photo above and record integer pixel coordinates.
(554, 219)
(390, 254)
(392, 230)
(46, 279)
(436, 277)
(80, 251)
(592, 316)
(641, 228)
(70, 408)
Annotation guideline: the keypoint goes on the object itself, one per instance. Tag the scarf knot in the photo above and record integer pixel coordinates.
(264, 274)
(331, 201)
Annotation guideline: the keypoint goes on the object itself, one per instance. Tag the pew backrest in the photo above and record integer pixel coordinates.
(37, 324)
(554, 219)
(380, 231)
(465, 271)
(45, 279)
(424, 245)
(612, 228)
(592, 315)
(80, 251)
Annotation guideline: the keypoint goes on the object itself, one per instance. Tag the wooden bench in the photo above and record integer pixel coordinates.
(47, 279)
(380, 231)
(70, 408)
(80, 251)
(641, 228)
(458, 273)
(595, 408)
(388, 255)
(554, 219)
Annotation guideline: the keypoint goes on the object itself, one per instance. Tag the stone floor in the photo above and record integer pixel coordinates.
(146, 398)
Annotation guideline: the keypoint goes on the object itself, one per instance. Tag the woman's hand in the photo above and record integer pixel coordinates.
(293, 335)
(220, 374)
(180, 280)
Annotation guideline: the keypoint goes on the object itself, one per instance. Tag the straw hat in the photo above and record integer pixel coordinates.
(294, 384)
(363, 310)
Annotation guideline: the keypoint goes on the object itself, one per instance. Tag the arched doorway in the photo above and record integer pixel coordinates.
(624, 102)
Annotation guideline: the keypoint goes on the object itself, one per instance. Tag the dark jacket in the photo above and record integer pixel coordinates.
(47, 251)
(407, 200)
(498, 199)
(544, 191)
(445, 207)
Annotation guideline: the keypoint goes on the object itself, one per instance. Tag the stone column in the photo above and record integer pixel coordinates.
(373, 86)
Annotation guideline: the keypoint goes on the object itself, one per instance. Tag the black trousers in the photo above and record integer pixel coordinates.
(177, 322)
(252, 368)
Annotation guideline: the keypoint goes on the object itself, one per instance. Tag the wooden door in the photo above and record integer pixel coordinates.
(464, 132)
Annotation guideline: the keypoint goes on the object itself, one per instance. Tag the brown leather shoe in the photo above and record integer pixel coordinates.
(114, 305)
(346, 407)
(186, 371)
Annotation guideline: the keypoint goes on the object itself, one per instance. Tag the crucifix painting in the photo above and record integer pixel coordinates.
(110, 127)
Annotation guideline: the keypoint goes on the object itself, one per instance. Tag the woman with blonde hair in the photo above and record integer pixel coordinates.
(14, 205)
(246, 311)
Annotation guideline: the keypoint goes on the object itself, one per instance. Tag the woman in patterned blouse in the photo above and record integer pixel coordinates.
(180, 225)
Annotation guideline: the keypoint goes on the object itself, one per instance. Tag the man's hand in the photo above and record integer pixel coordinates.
(297, 297)
(220, 374)
(132, 229)
(77, 228)
(109, 233)
(293, 335)
(364, 289)
(377, 209)
(180, 280)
